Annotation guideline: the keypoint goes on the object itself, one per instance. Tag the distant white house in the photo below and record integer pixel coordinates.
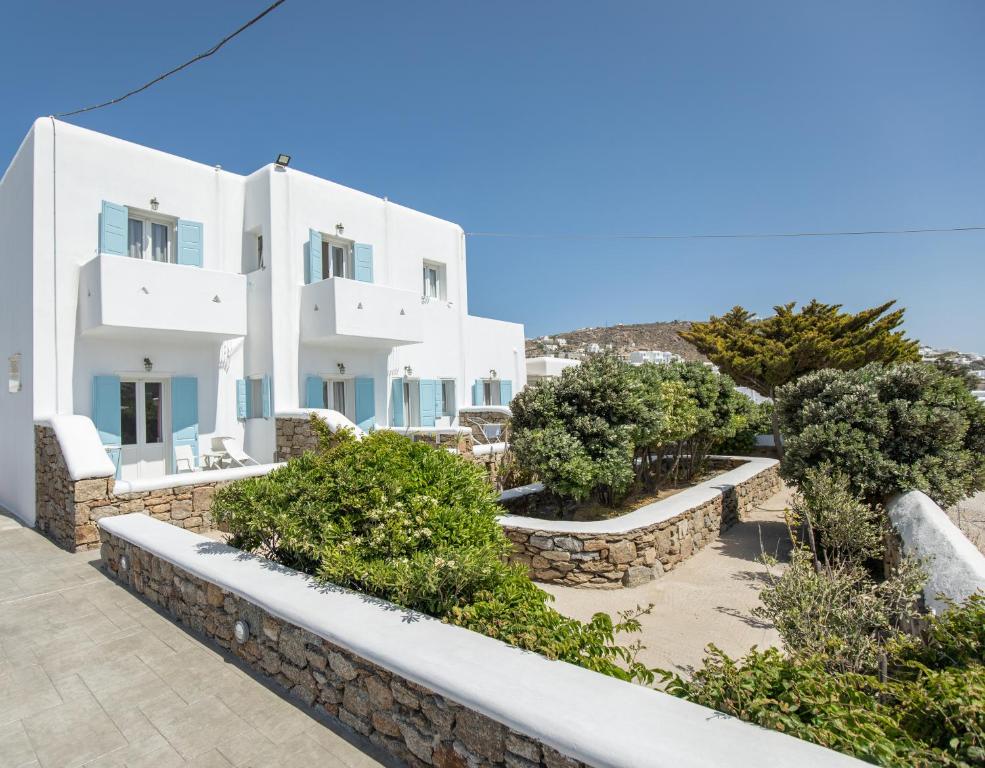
(593, 348)
(547, 367)
(173, 303)
(652, 356)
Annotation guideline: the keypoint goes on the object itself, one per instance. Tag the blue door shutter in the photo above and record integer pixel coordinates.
(314, 392)
(312, 264)
(505, 391)
(439, 398)
(427, 403)
(364, 262)
(477, 393)
(113, 229)
(242, 411)
(106, 408)
(267, 405)
(365, 404)
(397, 390)
(190, 243)
(184, 413)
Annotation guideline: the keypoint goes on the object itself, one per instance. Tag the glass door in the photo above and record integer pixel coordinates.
(143, 454)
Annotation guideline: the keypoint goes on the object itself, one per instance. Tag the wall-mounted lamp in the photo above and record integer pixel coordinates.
(283, 160)
(408, 371)
(341, 367)
(492, 373)
(241, 631)
(148, 365)
(154, 204)
(339, 228)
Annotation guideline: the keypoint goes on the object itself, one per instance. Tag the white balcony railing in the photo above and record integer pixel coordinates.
(119, 294)
(349, 311)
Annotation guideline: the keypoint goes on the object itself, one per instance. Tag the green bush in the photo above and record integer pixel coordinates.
(605, 427)
(887, 429)
(758, 422)
(928, 711)
(414, 525)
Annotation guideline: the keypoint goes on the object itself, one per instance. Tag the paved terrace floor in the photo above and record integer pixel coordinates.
(92, 676)
(707, 599)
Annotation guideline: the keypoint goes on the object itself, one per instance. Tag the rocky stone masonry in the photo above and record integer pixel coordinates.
(67, 510)
(412, 723)
(475, 419)
(616, 560)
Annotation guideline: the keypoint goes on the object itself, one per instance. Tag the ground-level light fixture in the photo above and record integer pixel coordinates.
(241, 631)
(154, 204)
(283, 160)
(148, 365)
(124, 563)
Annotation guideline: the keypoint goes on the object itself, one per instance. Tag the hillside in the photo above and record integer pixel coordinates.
(623, 338)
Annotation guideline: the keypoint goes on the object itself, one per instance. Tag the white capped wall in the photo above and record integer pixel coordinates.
(16, 288)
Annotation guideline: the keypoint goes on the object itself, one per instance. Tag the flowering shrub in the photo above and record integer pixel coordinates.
(414, 525)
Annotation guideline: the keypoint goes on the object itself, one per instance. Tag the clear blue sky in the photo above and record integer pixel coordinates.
(580, 117)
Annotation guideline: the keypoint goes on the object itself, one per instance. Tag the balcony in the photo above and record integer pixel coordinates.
(119, 296)
(344, 311)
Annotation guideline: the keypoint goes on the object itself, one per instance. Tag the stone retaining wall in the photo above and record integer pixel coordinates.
(606, 560)
(68, 510)
(411, 722)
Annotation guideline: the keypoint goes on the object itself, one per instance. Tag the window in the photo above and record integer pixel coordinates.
(337, 394)
(434, 281)
(491, 392)
(407, 402)
(336, 258)
(153, 431)
(255, 398)
(128, 412)
(259, 251)
(150, 238)
(448, 397)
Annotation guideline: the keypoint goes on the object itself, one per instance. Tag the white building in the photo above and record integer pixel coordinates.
(173, 302)
(547, 367)
(651, 356)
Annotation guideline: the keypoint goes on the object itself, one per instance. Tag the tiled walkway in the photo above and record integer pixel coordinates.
(90, 675)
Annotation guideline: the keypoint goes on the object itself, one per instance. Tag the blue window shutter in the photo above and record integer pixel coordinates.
(365, 404)
(267, 405)
(477, 393)
(190, 243)
(312, 266)
(106, 408)
(427, 403)
(314, 392)
(505, 391)
(241, 410)
(363, 256)
(184, 413)
(113, 229)
(397, 390)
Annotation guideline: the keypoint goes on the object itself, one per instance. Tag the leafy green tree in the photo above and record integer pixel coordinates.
(767, 353)
(887, 429)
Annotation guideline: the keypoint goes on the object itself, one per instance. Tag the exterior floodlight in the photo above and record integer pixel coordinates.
(241, 630)
(283, 160)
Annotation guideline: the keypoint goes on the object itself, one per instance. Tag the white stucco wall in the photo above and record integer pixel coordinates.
(16, 333)
(72, 320)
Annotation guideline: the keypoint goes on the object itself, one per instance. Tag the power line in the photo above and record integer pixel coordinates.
(728, 236)
(180, 67)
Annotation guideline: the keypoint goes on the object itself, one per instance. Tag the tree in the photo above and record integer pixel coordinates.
(767, 353)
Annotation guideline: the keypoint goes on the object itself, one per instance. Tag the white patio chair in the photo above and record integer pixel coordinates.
(184, 459)
(237, 456)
